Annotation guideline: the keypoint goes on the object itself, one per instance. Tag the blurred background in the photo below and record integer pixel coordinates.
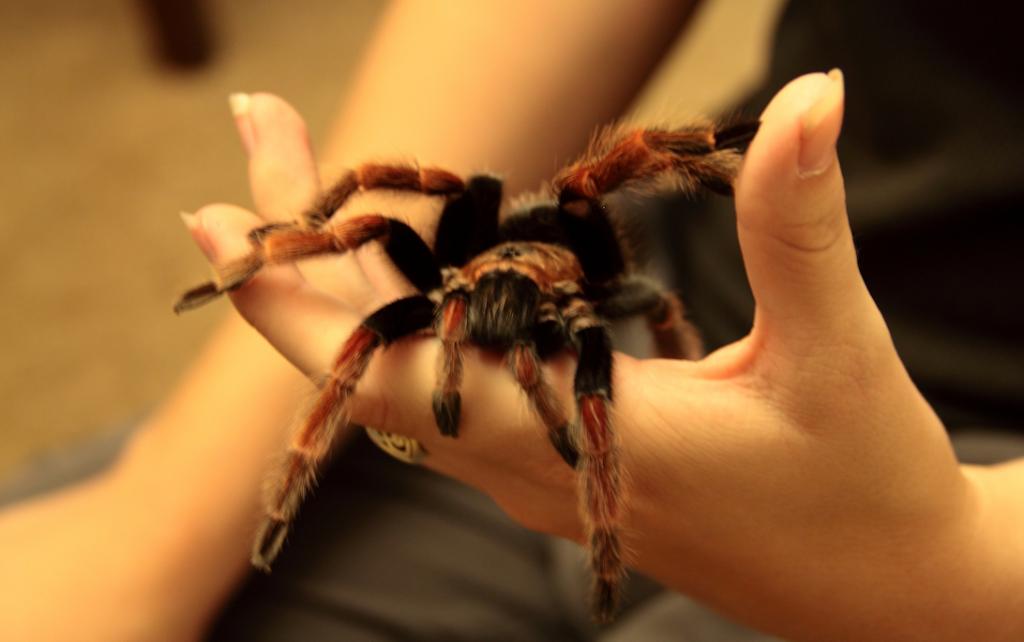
(114, 118)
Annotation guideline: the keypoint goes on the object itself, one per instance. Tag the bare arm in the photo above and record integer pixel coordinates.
(149, 548)
(516, 87)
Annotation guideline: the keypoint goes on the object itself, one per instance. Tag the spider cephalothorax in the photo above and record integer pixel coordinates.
(540, 278)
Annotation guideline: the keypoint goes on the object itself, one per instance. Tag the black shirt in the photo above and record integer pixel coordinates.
(933, 154)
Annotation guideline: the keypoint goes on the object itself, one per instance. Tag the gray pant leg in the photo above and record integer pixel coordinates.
(380, 551)
(649, 611)
(386, 551)
(62, 468)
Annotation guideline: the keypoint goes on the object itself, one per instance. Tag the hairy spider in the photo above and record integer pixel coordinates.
(541, 278)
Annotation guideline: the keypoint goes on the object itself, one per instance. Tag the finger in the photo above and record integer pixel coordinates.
(284, 182)
(282, 168)
(302, 323)
(793, 227)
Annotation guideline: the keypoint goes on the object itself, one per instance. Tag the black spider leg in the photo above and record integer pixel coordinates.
(600, 477)
(452, 330)
(503, 311)
(413, 258)
(721, 155)
(468, 225)
(407, 251)
(287, 243)
(584, 226)
(582, 222)
(696, 159)
(592, 237)
(733, 138)
(736, 136)
(674, 336)
(312, 439)
(469, 222)
(524, 362)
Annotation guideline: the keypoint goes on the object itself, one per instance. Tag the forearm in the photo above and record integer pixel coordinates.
(149, 548)
(516, 88)
(199, 463)
(77, 565)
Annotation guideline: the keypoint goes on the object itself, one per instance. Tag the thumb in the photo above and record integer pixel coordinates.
(792, 222)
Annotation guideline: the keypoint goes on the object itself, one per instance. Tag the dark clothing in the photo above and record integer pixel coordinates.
(384, 551)
(932, 151)
(387, 551)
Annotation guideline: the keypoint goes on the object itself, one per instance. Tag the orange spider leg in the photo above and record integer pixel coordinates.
(287, 244)
(431, 181)
(311, 441)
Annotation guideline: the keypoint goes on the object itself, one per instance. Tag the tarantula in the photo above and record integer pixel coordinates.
(541, 278)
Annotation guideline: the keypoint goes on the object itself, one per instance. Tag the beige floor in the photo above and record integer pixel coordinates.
(100, 149)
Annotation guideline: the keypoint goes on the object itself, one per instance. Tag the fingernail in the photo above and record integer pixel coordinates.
(239, 103)
(821, 125)
(198, 232)
(190, 220)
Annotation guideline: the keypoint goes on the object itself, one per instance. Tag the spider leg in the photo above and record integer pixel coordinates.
(286, 243)
(600, 477)
(294, 240)
(674, 336)
(257, 235)
(469, 221)
(694, 157)
(431, 181)
(452, 331)
(525, 364)
(312, 439)
(691, 157)
(737, 136)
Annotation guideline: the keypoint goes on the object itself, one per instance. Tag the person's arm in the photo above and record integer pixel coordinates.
(513, 87)
(151, 548)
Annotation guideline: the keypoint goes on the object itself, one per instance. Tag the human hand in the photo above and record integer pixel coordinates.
(797, 464)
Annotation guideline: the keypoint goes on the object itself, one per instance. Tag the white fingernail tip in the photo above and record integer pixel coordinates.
(239, 103)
